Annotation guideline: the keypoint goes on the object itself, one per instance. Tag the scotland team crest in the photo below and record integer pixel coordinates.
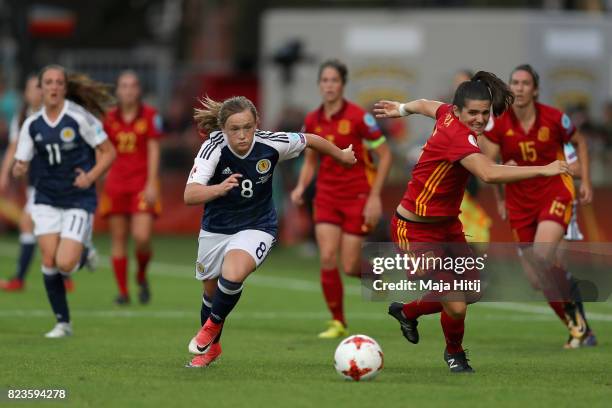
(67, 134)
(263, 166)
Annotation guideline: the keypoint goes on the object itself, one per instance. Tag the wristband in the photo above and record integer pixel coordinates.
(402, 110)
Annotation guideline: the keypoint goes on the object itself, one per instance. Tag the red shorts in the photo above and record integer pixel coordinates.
(524, 225)
(441, 239)
(347, 214)
(127, 203)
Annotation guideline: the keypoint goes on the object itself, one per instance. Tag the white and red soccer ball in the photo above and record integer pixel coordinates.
(358, 358)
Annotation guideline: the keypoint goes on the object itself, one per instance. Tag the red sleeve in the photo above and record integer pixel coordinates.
(461, 145)
(443, 109)
(155, 125)
(107, 124)
(492, 130)
(367, 127)
(565, 126)
(307, 127)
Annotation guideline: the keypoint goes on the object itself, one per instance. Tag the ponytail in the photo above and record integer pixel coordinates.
(212, 115)
(94, 96)
(487, 87)
(206, 116)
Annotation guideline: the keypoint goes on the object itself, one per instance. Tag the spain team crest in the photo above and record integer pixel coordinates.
(344, 127)
(263, 166)
(67, 134)
(141, 126)
(543, 134)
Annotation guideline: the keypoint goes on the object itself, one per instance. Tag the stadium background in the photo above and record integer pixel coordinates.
(269, 51)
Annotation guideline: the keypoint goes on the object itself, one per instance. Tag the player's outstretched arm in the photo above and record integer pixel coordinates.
(492, 151)
(488, 171)
(394, 109)
(345, 157)
(197, 194)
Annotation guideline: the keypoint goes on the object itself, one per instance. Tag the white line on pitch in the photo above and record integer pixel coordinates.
(277, 282)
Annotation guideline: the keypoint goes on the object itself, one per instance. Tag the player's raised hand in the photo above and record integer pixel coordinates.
(82, 180)
(297, 195)
(387, 109)
(229, 183)
(347, 157)
(555, 168)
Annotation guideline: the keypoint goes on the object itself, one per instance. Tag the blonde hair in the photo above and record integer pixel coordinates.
(212, 115)
(92, 95)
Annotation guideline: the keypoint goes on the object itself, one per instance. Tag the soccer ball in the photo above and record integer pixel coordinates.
(358, 357)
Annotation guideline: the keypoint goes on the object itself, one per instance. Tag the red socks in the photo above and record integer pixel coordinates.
(143, 261)
(423, 306)
(559, 310)
(453, 332)
(331, 283)
(120, 269)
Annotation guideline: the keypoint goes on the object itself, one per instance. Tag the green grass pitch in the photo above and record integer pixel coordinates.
(134, 356)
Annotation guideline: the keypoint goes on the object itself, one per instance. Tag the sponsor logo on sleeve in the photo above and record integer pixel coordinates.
(566, 122)
(370, 122)
(157, 122)
(297, 137)
(472, 140)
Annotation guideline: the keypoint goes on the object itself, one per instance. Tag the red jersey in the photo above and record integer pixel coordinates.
(438, 179)
(350, 125)
(130, 169)
(542, 144)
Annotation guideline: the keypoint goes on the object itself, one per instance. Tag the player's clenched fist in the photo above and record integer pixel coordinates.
(557, 167)
(347, 157)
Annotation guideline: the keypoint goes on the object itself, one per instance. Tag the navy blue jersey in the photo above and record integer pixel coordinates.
(250, 205)
(56, 150)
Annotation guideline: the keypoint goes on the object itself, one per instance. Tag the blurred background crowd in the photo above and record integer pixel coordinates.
(269, 51)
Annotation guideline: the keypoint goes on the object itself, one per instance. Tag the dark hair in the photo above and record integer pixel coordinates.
(529, 69)
(92, 95)
(338, 66)
(213, 115)
(485, 86)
